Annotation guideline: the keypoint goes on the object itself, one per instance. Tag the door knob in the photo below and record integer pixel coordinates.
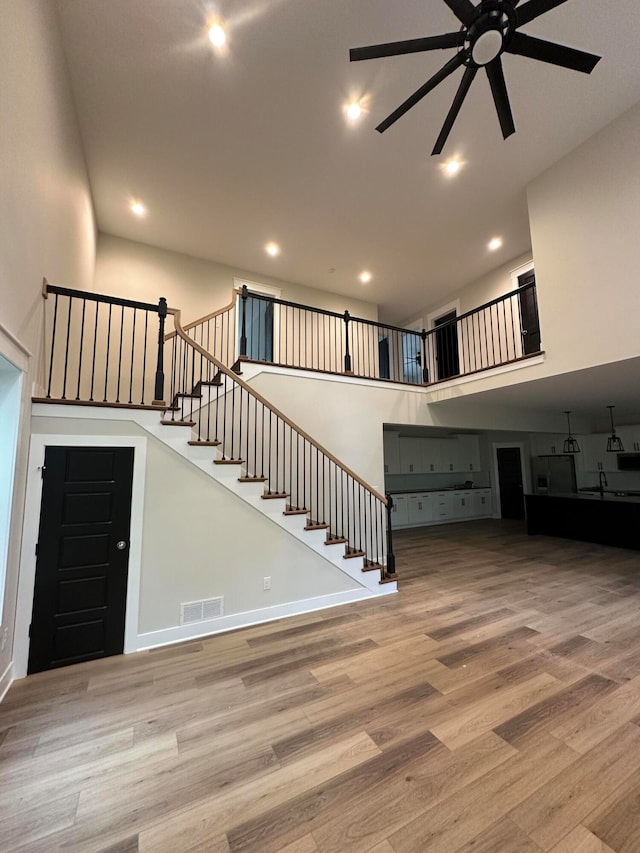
(121, 545)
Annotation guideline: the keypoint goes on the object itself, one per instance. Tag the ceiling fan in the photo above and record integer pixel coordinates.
(488, 30)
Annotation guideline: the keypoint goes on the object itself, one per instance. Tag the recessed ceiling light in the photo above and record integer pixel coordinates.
(217, 35)
(272, 249)
(365, 277)
(353, 111)
(452, 167)
(138, 208)
(495, 244)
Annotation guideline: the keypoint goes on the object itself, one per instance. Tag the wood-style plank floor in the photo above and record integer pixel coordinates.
(492, 705)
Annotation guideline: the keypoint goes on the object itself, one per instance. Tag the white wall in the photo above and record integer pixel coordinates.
(585, 218)
(46, 215)
(196, 286)
(201, 541)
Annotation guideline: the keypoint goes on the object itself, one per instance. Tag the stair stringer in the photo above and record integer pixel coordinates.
(177, 438)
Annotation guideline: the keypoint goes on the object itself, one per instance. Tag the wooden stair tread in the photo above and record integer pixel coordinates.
(372, 567)
(270, 496)
(252, 479)
(204, 443)
(228, 461)
(184, 394)
(388, 579)
(178, 423)
(351, 554)
(295, 511)
(337, 540)
(316, 525)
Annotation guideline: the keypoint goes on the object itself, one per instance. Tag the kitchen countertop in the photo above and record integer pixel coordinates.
(444, 489)
(581, 496)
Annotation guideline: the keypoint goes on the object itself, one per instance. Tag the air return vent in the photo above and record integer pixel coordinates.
(199, 611)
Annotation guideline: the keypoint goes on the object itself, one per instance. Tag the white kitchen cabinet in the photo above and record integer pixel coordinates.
(420, 509)
(481, 501)
(468, 454)
(463, 504)
(391, 445)
(432, 455)
(451, 456)
(442, 506)
(411, 455)
(546, 444)
(596, 457)
(400, 511)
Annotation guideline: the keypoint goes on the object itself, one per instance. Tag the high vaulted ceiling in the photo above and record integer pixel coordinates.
(231, 149)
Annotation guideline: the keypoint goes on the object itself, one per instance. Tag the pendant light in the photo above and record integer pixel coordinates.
(614, 442)
(570, 443)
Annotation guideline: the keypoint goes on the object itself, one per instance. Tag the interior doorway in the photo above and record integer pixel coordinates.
(529, 319)
(447, 355)
(80, 593)
(510, 482)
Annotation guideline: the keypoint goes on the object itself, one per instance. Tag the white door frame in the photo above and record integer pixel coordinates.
(526, 486)
(33, 502)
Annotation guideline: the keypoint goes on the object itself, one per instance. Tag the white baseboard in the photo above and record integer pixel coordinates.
(180, 633)
(6, 680)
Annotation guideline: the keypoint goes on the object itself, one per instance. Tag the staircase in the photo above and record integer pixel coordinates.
(233, 433)
(104, 351)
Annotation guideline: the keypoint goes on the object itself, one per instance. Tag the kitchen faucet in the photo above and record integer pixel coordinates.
(602, 478)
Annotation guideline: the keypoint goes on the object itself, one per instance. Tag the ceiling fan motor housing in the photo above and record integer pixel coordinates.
(489, 33)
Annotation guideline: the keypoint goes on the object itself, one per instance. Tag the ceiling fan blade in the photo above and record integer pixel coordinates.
(464, 10)
(556, 54)
(438, 77)
(500, 97)
(396, 48)
(461, 94)
(535, 8)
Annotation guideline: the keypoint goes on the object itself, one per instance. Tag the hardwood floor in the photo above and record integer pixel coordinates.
(492, 706)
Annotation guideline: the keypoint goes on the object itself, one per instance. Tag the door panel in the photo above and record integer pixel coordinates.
(83, 556)
(510, 481)
(447, 346)
(529, 319)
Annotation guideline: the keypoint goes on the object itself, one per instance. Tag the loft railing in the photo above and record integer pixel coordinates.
(247, 429)
(103, 349)
(502, 331)
(260, 328)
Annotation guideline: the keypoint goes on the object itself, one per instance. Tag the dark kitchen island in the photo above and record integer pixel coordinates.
(603, 519)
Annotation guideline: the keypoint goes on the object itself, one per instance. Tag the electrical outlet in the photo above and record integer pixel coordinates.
(267, 583)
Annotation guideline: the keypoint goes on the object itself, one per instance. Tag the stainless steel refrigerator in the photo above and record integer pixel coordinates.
(554, 475)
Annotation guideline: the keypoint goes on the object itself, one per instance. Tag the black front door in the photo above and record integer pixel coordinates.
(83, 556)
(447, 346)
(510, 482)
(530, 323)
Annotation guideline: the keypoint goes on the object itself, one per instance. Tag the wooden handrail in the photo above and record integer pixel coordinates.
(180, 332)
(211, 316)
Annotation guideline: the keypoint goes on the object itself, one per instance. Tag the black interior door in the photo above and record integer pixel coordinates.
(530, 322)
(447, 346)
(383, 358)
(510, 482)
(83, 556)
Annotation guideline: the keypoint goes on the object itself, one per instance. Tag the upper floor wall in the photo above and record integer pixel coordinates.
(133, 270)
(585, 218)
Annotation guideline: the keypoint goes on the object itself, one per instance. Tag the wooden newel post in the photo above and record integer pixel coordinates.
(425, 369)
(159, 386)
(391, 560)
(243, 328)
(347, 354)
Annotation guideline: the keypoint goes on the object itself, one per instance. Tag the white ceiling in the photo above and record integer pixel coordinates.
(229, 150)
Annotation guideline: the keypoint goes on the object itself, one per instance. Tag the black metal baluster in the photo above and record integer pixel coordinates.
(159, 380)
(84, 306)
(66, 353)
(133, 354)
(120, 354)
(144, 358)
(53, 344)
(93, 355)
(347, 353)
(106, 369)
